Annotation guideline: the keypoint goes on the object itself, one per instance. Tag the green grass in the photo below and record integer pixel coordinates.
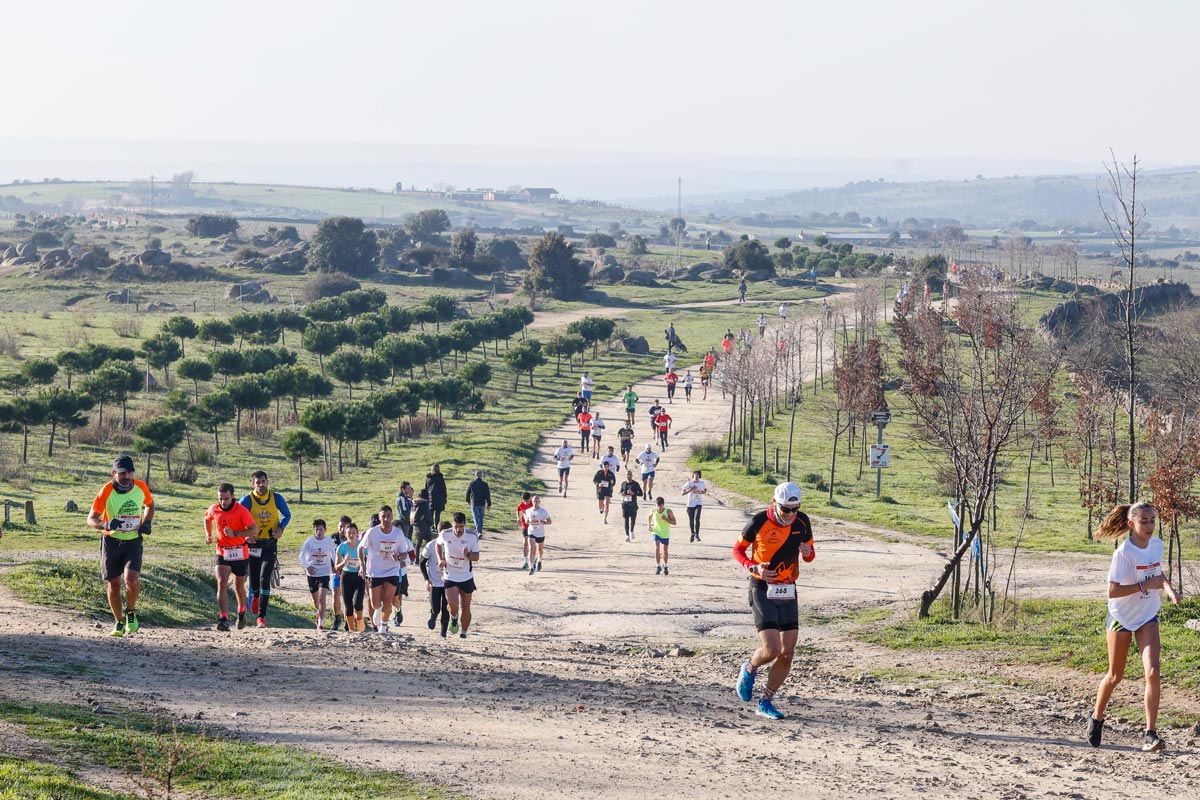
(28, 780)
(173, 595)
(228, 767)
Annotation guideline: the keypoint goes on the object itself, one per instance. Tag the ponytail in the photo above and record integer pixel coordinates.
(1116, 523)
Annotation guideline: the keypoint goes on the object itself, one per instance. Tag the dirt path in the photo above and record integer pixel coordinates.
(570, 684)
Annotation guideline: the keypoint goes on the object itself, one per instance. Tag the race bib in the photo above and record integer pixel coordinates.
(387, 548)
(129, 523)
(319, 557)
(256, 552)
(233, 553)
(456, 563)
(351, 563)
(781, 591)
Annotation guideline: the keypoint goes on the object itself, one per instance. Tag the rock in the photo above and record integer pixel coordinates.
(27, 250)
(88, 260)
(640, 277)
(632, 344)
(9, 252)
(611, 274)
(788, 281)
(248, 292)
(1193, 625)
(681, 652)
(71, 507)
(153, 257)
(760, 275)
(609, 260)
(55, 257)
(718, 275)
(122, 296)
(701, 267)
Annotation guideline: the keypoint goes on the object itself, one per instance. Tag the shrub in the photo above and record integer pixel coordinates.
(709, 451)
(128, 326)
(186, 473)
(329, 284)
(208, 226)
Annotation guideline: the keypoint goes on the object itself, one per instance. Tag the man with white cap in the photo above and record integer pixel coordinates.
(770, 547)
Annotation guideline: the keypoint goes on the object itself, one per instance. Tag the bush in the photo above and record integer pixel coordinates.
(45, 239)
(185, 473)
(208, 226)
(329, 284)
(709, 451)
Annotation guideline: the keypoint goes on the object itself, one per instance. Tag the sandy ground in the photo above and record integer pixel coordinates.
(570, 683)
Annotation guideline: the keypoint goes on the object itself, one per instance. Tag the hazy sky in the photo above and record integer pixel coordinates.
(917, 79)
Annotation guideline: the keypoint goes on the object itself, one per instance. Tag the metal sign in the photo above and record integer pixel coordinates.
(881, 456)
(881, 417)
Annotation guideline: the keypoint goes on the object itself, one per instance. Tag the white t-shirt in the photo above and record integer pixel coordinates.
(320, 554)
(688, 380)
(597, 428)
(454, 550)
(563, 456)
(783, 312)
(586, 383)
(694, 488)
(613, 461)
(1132, 565)
(535, 521)
(648, 461)
(430, 555)
(384, 551)
(669, 361)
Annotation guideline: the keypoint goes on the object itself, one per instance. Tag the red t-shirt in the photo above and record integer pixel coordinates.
(727, 345)
(585, 421)
(238, 518)
(663, 421)
(522, 507)
(671, 378)
(710, 359)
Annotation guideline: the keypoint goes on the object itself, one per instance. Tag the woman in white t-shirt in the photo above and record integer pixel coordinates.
(1134, 580)
(694, 490)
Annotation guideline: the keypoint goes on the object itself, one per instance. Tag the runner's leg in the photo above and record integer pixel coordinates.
(1147, 638)
(114, 598)
(465, 619)
(1118, 652)
(223, 573)
(782, 664)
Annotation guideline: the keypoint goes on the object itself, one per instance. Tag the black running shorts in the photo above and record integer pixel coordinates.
(118, 555)
(780, 615)
(239, 568)
(466, 587)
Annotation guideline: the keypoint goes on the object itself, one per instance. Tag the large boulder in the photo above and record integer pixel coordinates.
(123, 296)
(88, 260)
(612, 274)
(632, 344)
(760, 275)
(27, 250)
(248, 292)
(700, 267)
(152, 256)
(640, 277)
(609, 260)
(52, 258)
(716, 275)
(784, 281)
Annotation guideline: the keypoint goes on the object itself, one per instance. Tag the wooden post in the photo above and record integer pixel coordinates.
(6, 519)
(29, 516)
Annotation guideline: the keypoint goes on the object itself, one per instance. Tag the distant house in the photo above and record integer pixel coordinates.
(539, 195)
(505, 197)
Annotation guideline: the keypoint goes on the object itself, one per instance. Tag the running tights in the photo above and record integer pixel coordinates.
(439, 607)
(261, 570)
(353, 589)
(694, 519)
(630, 521)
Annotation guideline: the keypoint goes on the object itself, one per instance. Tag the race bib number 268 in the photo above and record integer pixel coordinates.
(781, 591)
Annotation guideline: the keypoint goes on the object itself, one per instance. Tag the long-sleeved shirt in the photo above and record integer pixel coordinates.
(478, 493)
(318, 555)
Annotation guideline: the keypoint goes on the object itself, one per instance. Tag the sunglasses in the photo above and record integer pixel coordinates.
(788, 509)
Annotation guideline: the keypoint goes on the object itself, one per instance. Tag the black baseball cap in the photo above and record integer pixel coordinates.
(123, 464)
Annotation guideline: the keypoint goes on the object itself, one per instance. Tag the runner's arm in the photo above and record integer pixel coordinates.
(424, 565)
(285, 515)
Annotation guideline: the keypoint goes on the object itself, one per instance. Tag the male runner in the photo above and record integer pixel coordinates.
(457, 549)
(271, 513)
(625, 435)
(762, 324)
(598, 427)
(688, 382)
(336, 581)
(631, 490)
(381, 550)
(584, 421)
(630, 398)
(536, 520)
(660, 520)
(694, 490)
(563, 456)
(123, 509)
(232, 524)
(648, 461)
(671, 380)
(663, 423)
(586, 385)
(435, 586)
(605, 480)
(317, 557)
(770, 547)
(705, 379)
(669, 361)
(611, 459)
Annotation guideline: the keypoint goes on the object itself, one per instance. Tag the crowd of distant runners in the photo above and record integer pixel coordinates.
(367, 572)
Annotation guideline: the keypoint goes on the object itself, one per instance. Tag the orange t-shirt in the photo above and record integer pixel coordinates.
(777, 545)
(237, 518)
(585, 421)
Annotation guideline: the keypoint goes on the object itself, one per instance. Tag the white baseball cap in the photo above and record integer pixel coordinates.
(788, 494)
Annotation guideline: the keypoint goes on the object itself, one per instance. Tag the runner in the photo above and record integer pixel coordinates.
(353, 587)
(123, 510)
(232, 524)
(272, 515)
(381, 550)
(605, 480)
(742, 292)
(598, 427)
(661, 519)
(710, 358)
(563, 456)
(669, 362)
(783, 311)
(671, 379)
(648, 461)
(625, 434)
(762, 324)
(694, 490)
(435, 482)
(525, 504)
(631, 490)
(611, 459)
(578, 404)
(338, 538)
(655, 409)
(727, 343)
(586, 385)
(457, 549)
(631, 398)
(317, 557)
(536, 520)
(776, 540)
(479, 498)
(421, 517)
(663, 423)
(584, 421)
(688, 380)
(705, 379)
(1135, 578)
(435, 586)
(370, 617)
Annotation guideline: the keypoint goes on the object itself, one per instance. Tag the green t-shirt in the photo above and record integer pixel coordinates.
(631, 399)
(660, 526)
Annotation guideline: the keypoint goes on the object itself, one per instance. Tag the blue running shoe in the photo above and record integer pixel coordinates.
(745, 684)
(767, 709)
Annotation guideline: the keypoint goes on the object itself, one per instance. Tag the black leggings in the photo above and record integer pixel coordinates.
(585, 440)
(439, 606)
(630, 517)
(353, 589)
(694, 519)
(662, 437)
(670, 390)
(262, 568)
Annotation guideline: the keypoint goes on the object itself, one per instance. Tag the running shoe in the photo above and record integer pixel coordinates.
(1151, 743)
(432, 623)
(524, 565)
(223, 624)
(337, 622)
(131, 622)
(454, 624)
(532, 568)
(254, 605)
(462, 635)
(118, 629)
(241, 620)
(627, 538)
(745, 683)
(383, 627)
(261, 623)
(767, 709)
(666, 570)
(658, 569)
(539, 565)
(1095, 730)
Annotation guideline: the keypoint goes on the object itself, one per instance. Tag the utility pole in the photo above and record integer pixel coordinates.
(679, 232)
(151, 194)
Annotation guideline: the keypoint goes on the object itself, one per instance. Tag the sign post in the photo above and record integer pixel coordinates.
(880, 457)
